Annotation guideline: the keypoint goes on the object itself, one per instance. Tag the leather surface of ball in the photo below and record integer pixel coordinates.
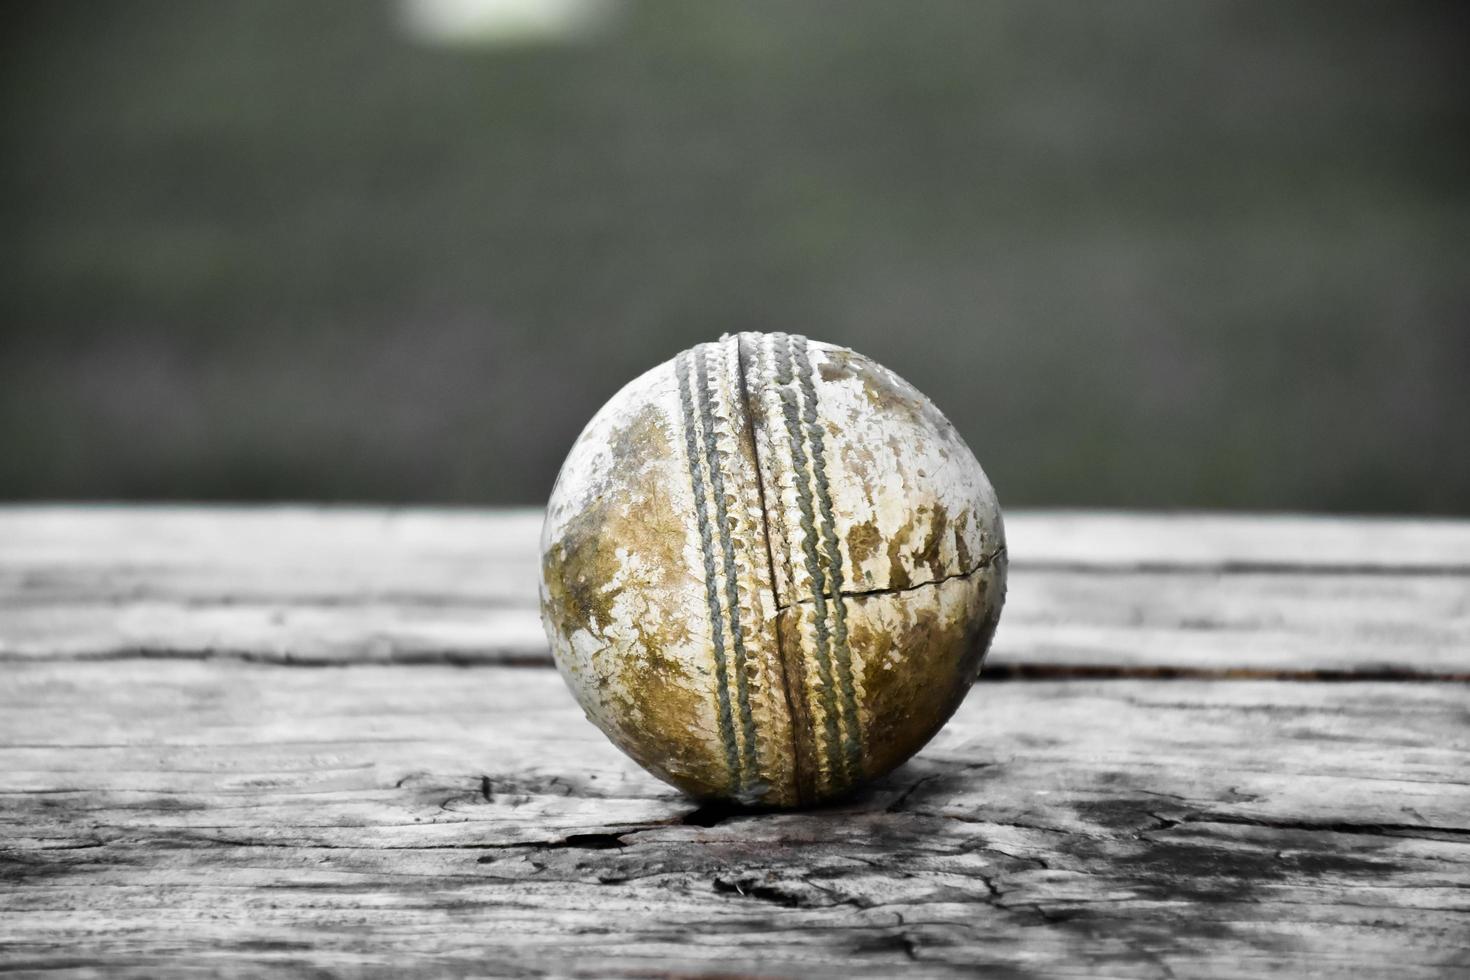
(770, 570)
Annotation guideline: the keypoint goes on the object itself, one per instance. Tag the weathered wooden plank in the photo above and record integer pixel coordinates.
(1094, 538)
(315, 585)
(1304, 622)
(194, 550)
(291, 554)
(1368, 624)
(161, 816)
(1240, 542)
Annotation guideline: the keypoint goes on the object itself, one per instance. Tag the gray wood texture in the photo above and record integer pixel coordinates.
(326, 743)
(1108, 591)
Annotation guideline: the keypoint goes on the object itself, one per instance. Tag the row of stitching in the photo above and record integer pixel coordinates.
(711, 587)
(791, 411)
(842, 652)
(749, 763)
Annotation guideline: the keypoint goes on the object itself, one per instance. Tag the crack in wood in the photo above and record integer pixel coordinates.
(1406, 830)
(994, 672)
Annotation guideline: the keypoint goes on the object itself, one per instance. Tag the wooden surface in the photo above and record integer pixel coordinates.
(327, 742)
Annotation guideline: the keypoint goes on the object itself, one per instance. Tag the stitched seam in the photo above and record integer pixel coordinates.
(711, 591)
(791, 411)
(749, 763)
(842, 652)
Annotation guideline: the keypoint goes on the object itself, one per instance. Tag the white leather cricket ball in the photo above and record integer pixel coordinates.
(771, 570)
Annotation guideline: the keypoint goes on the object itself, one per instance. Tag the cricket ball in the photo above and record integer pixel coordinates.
(770, 570)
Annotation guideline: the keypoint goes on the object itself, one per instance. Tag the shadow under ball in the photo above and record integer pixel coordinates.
(770, 570)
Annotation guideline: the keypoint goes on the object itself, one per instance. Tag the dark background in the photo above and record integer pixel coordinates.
(1142, 254)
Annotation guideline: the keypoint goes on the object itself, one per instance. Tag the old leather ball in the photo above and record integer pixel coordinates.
(770, 570)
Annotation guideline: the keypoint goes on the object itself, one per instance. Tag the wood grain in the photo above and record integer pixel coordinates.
(327, 585)
(287, 741)
(242, 817)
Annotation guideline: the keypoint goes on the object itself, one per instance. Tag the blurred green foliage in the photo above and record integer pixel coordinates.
(1142, 254)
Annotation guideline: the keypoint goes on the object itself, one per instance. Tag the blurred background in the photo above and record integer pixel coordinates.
(1142, 254)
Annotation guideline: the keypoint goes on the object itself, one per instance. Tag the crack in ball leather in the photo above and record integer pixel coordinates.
(771, 570)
